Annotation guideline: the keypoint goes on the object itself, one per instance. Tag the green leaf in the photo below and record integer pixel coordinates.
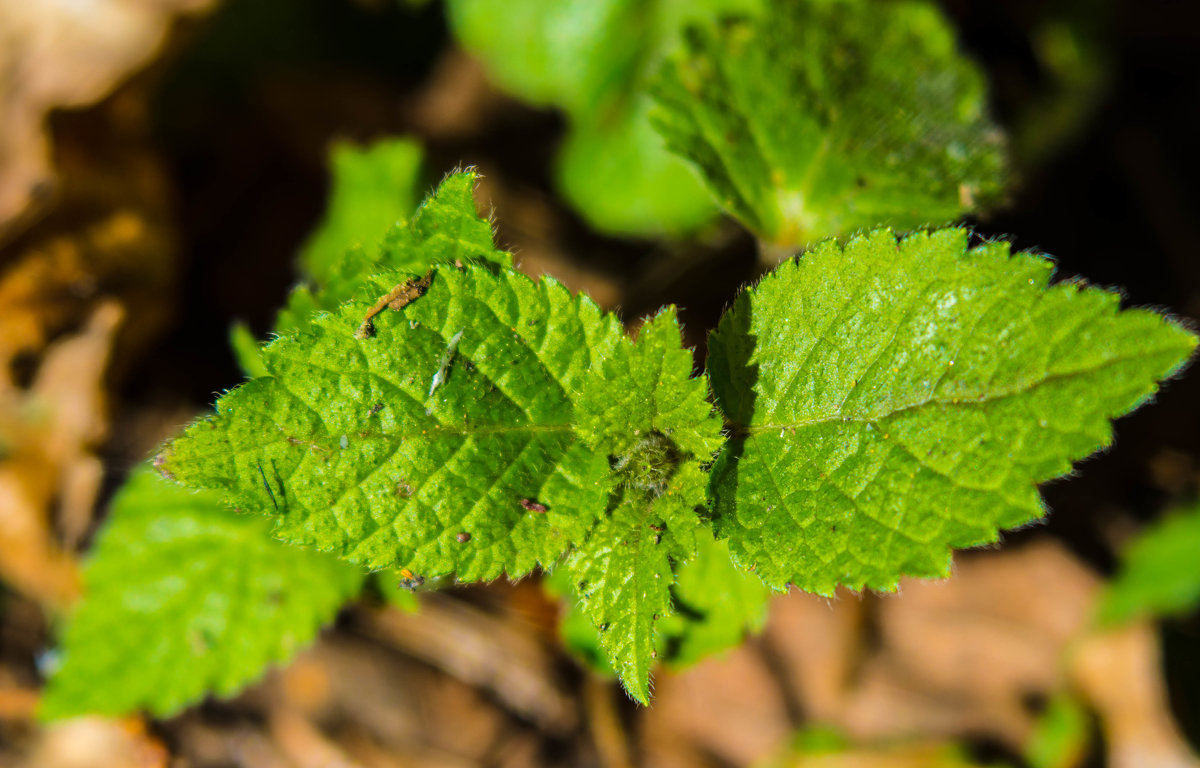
(620, 177)
(717, 604)
(592, 59)
(828, 116)
(573, 54)
(183, 597)
(1159, 576)
(623, 573)
(579, 637)
(423, 445)
(246, 350)
(444, 230)
(653, 420)
(485, 428)
(373, 187)
(891, 400)
(642, 401)
(1060, 735)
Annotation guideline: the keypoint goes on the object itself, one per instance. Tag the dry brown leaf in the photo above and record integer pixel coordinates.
(953, 659)
(1120, 674)
(61, 53)
(53, 398)
(54, 285)
(484, 651)
(304, 744)
(95, 742)
(51, 433)
(40, 295)
(729, 707)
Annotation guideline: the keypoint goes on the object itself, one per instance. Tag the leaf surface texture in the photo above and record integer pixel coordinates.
(184, 597)
(893, 399)
(823, 117)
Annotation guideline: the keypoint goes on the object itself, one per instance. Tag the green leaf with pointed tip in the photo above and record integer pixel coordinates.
(425, 444)
(829, 116)
(579, 637)
(716, 605)
(183, 597)
(623, 573)
(894, 399)
(644, 396)
(1159, 575)
(652, 419)
(373, 187)
(444, 230)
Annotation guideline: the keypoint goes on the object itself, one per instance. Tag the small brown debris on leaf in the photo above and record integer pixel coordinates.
(399, 297)
(532, 506)
(463, 537)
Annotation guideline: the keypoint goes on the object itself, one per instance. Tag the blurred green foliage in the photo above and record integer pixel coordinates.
(593, 59)
(1160, 572)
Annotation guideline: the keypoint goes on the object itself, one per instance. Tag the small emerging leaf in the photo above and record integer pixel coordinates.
(1060, 736)
(895, 399)
(246, 350)
(1159, 575)
(373, 187)
(828, 116)
(183, 597)
(715, 603)
(623, 575)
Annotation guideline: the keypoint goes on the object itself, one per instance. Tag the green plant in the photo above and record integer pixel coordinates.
(807, 119)
(863, 409)
(1158, 576)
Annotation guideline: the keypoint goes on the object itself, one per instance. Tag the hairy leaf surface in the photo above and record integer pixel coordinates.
(829, 116)
(184, 597)
(425, 444)
(715, 605)
(644, 411)
(444, 230)
(898, 398)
